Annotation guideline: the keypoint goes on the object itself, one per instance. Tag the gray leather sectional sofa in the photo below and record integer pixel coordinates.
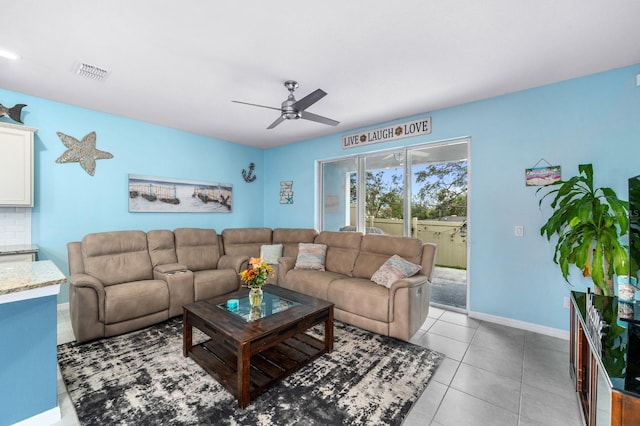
(126, 280)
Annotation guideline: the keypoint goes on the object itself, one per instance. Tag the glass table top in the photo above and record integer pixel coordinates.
(271, 304)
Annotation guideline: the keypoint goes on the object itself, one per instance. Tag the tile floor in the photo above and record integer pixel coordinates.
(492, 375)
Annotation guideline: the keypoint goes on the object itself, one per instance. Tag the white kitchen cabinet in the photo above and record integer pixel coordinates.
(16, 165)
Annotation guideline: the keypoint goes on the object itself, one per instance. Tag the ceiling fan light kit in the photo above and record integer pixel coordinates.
(291, 109)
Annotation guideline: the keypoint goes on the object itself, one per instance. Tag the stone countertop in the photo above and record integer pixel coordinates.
(18, 249)
(21, 276)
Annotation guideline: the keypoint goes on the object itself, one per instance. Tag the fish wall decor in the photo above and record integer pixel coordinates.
(83, 152)
(13, 113)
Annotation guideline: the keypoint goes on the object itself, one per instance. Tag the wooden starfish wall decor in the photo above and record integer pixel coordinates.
(83, 152)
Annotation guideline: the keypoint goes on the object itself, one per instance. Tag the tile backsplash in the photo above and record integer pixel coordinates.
(15, 225)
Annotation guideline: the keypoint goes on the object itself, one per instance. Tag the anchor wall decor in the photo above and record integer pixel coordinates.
(249, 177)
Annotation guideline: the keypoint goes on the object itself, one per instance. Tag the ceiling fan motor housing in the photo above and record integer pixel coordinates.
(289, 112)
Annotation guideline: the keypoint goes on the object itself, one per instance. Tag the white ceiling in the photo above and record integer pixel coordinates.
(179, 64)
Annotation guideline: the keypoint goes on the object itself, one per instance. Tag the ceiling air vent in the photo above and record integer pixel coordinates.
(91, 71)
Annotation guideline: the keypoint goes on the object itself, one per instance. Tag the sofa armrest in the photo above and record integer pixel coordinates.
(179, 281)
(169, 268)
(410, 282)
(414, 281)
(235, 262)
(285, 264)
(408, 306)
(87, 281)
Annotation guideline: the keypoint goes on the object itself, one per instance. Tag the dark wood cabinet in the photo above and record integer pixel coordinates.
(604, 369)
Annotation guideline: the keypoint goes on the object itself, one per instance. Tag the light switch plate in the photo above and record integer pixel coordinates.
(519, 231)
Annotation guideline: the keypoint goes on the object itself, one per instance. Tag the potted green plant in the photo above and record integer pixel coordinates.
(588, 222)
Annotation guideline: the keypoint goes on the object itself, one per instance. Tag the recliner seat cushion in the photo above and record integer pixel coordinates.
(134, 300)
(214, 282)
(311, 282)
(361, 297)
(117, 257)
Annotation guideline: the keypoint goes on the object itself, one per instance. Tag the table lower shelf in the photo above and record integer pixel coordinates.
(268, 367)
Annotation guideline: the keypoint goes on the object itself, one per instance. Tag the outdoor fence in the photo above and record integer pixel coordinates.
(450, 236)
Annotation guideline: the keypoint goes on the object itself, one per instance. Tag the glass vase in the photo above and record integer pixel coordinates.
(255, 297)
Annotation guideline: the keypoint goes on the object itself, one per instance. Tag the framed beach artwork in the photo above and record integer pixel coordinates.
(541, 176)
(157, 194)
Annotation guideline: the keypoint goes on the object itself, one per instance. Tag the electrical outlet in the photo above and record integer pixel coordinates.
(519, 231)
(565, 302)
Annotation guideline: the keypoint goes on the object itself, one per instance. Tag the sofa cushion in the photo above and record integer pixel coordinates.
(307, 281)
(162, 247)
(197, 248)
(134, 300)
(270, 253)
(361, 297)
(290, 237)
(117, 257)
(376, 249)
(394, 269)
(311, 256)
(214, 282)
(245, 241)
(342, 250)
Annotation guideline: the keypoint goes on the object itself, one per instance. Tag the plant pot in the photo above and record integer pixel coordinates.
(627, 288)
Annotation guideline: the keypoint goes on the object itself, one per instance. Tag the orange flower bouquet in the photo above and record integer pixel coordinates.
(257, 274)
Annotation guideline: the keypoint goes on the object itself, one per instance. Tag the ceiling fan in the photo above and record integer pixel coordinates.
(293, 110)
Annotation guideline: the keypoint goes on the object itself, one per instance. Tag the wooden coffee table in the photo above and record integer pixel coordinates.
(248, 356)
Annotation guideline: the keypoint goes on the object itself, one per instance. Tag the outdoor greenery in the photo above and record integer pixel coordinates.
(441, 191)
(588, 222)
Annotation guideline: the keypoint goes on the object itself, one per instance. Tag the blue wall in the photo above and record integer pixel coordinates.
(594, 119)
(28, 360)
(70, 203)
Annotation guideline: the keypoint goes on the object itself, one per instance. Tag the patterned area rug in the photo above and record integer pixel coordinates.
(142, 378)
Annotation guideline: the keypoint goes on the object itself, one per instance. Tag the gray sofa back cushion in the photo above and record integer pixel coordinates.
(342, 250)
(245, 241)
(197, 248)
(290, 237)
(117, 257)
(376, 249)
(162, 248)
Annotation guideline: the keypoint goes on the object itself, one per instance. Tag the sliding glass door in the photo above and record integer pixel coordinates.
(417, 191)
(339, 194)
(384, 192)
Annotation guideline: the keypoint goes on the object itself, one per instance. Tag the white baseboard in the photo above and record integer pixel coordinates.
(528, 326)
(48, 417)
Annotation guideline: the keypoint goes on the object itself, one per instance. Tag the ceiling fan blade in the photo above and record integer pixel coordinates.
(320, 119)
(309, 100)
(261, 106)
(275, 123)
